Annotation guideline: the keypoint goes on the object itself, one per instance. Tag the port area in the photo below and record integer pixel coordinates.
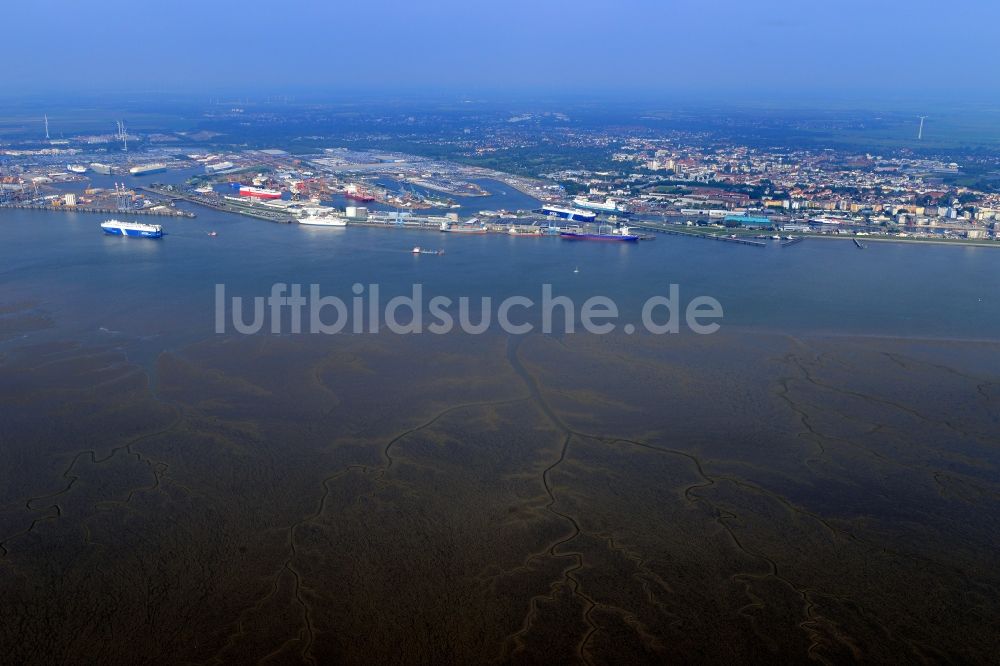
(284, 213)
(525, 225)
(680, 229)
(161, 211)
(70, 193)
(528, 225)
(677, 230)
(160, 200)
(248, 208)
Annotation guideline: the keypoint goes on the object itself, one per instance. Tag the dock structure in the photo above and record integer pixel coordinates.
(792, 241)
(860, 245)
(169, 212)
(407, 221)
(665, 229)
(741, 241)
(390, 219)
(224, 205)
(277, 215)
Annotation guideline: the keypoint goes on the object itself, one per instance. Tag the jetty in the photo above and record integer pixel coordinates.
(224, 205)
(666, 229)
(158, 211)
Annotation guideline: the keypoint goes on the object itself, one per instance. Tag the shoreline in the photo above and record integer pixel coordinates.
(679, 230)
(924, 241)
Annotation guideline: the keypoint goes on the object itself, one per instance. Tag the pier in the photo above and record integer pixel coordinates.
(648, 226)
(792, 241)
(103, 211)
(399, 220)
(860, 245)
(223, 205)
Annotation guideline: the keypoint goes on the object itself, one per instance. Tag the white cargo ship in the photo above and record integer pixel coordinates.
(323, 221)
(131, 229)
(607, 206)
(145, 169)
(572, 214)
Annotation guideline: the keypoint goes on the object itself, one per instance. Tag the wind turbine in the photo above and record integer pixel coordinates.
(920, 132)
(123, 134)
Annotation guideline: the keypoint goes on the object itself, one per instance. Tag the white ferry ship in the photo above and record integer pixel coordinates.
(323, 221)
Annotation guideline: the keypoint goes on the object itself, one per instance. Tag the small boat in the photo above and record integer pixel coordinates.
(420, 250)
(576, 270)
(212, 233)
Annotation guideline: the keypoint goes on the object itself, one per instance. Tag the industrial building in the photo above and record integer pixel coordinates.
(748, 221)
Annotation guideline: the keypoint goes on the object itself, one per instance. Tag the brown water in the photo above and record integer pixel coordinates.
(463, 499)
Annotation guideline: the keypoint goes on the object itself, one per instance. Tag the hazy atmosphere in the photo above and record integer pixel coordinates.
(781, 47)
(598, 333)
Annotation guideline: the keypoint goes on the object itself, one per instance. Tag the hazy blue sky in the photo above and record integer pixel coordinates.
(930, 47)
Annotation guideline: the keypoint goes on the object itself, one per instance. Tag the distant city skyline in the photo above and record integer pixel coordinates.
(591, 46)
